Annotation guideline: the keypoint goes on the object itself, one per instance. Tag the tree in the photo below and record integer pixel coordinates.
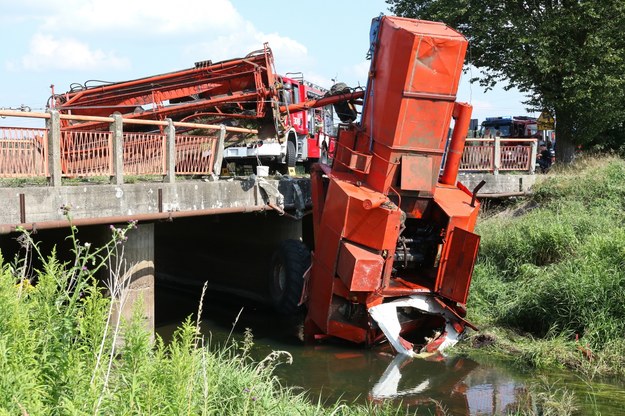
(568, 56)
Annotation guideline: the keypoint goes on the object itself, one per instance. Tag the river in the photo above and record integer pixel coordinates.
(454, 385)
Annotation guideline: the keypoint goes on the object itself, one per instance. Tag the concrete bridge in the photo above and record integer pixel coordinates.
(182, 180)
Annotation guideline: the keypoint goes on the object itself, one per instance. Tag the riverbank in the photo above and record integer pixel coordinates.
(549, 285)
(60, 351)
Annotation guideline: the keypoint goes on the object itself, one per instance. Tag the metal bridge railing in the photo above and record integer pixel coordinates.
(495, 155)
(86, 153)
(23, 152)
(56, 153)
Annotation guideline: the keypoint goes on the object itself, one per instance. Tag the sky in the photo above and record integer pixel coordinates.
(61, 42)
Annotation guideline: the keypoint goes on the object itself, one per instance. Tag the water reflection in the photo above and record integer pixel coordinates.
(451, 386)
(455, 384)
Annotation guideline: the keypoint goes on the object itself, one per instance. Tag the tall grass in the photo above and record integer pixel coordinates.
(553, 269)
(59, 352)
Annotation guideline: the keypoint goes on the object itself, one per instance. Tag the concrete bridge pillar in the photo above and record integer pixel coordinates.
(137, 271)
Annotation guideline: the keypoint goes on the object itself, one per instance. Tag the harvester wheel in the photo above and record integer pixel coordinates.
(286, 281)
(291, 154)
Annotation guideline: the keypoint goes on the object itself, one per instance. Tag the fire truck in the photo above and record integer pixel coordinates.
(508, 126)
(243, 92)
(306, 135)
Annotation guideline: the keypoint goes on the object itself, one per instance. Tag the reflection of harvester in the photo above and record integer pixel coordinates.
(244, 92)
(393, 243)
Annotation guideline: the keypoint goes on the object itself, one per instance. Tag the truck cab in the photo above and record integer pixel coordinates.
(508, 126)
(300, 136)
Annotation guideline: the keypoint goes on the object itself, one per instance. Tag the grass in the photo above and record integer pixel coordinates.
(60, 351)
(549, 285)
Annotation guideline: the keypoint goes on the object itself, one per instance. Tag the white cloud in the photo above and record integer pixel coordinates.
(106, 27)
(147, 17)
(357, 73)
(47, 52)
(289, 55)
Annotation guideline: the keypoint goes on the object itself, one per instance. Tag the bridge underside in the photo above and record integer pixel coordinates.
(94, 207)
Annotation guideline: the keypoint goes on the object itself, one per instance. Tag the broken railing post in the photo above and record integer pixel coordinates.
(54, 148)
(219, 151)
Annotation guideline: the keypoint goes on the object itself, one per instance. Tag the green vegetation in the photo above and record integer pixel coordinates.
(549, 285)
(60, 351)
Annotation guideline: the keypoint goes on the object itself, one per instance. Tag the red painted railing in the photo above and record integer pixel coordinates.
(515, 157)
(478, 158)
(195, 154)
(86, 153)
(23, 152)
(144, 154)
(494, 155)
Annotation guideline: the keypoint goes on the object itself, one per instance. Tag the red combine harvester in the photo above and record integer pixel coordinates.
(243, 92)
(394, 248)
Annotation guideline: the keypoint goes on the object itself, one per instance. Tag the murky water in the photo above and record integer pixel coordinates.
(453, 386)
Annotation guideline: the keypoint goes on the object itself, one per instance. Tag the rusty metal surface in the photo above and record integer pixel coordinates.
(457, 266)
(358, 268)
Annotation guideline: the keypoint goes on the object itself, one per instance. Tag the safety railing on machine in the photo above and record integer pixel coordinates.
(55, 153)
(499, 154)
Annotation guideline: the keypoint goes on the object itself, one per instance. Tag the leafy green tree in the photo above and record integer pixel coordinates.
(568, 56)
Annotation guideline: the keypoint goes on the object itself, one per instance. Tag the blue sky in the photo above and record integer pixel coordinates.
(64, 41)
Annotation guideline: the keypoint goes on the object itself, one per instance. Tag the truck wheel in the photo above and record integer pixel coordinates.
(286, 281)
(291, 155)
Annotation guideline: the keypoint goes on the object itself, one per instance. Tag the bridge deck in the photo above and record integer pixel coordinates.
(43, 206)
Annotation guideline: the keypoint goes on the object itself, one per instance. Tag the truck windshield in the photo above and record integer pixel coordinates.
(491, 130)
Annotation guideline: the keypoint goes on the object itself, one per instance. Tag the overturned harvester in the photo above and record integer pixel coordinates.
(393, 244)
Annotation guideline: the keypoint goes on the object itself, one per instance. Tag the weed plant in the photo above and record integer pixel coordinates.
(549, 283)
(61, 351)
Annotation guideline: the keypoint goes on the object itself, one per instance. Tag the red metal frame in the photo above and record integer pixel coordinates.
(213, 88)
(245, 89)
(385, 225)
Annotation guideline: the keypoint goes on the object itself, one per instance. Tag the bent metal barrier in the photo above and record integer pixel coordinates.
(495, 155)
(53, 153)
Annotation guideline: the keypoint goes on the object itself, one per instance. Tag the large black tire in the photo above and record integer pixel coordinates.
(291, 154)
(286, 279)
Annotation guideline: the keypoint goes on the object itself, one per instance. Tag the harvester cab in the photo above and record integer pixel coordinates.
(394, 247)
